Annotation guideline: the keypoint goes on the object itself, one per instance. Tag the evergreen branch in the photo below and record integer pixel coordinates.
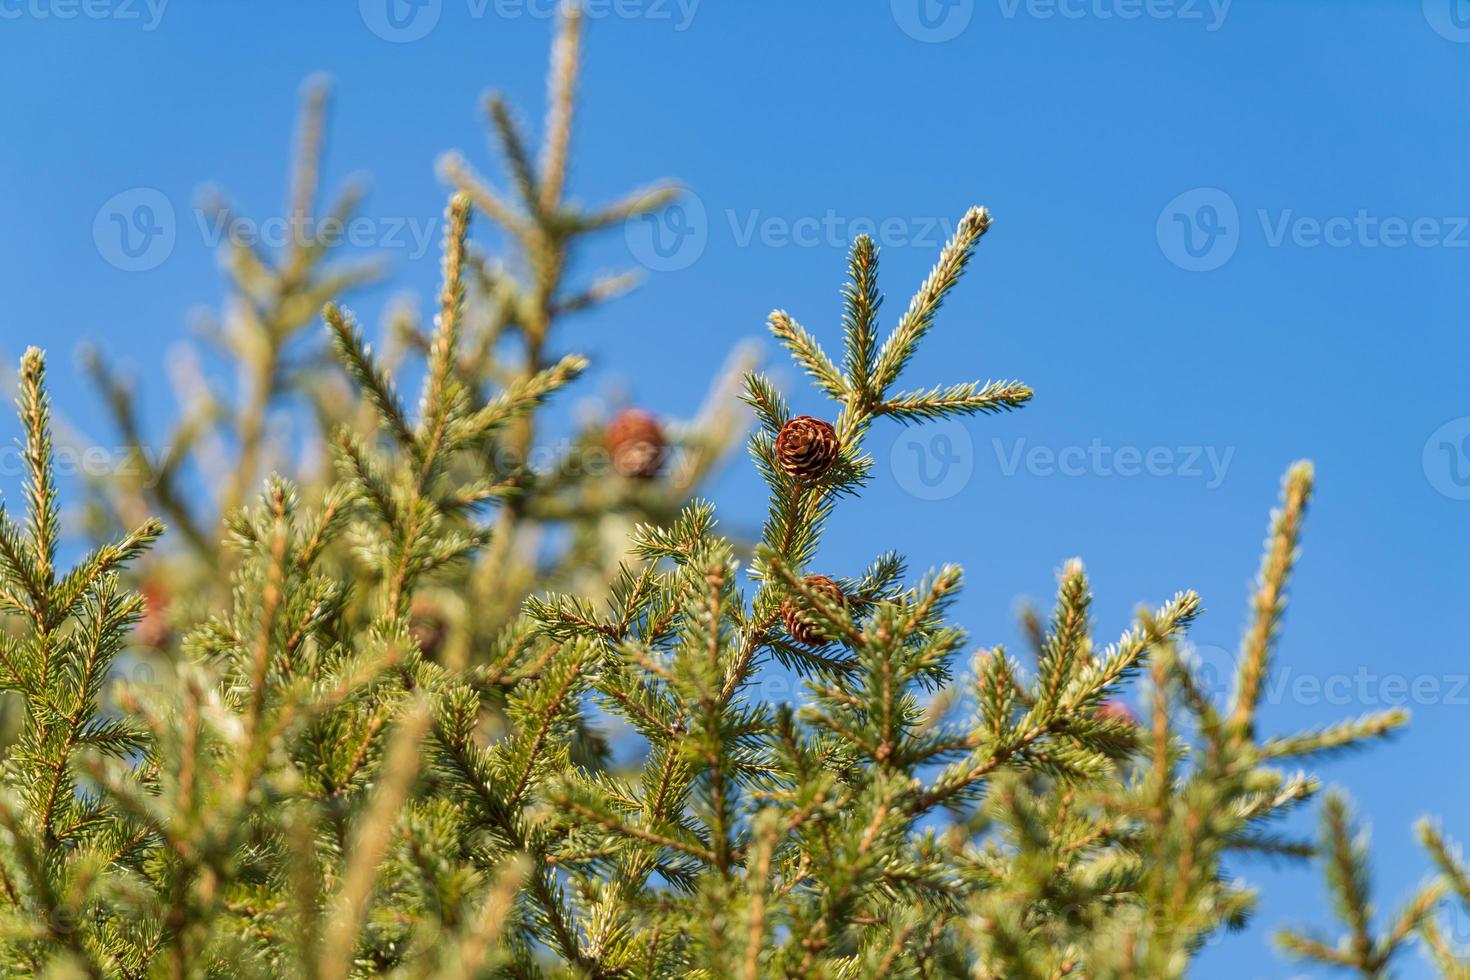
(56, 912)
(1447, 859)
(40, 487)
(645, 200)
(600, 291)
(1347, 877)
(609, 822)
(770, 407)
(1269, 602)
(1344, 735)
(478, 945)
(440, 387)
(566, 60)
(1066, 647)
(92, 569)
(375, 383)
(369, 844)
(523, 396)
(18, 564)
(903, 342)
(523, 172)
(367, 477)
(457, 172)
(163, 479)
(808, 353)
(970, 398)
(272, 598)
(861, 303)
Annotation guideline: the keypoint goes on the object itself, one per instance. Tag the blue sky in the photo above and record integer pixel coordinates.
(1226, 237)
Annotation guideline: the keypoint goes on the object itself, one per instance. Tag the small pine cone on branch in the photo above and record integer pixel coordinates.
(1117, 711)
(635, 441)
(155, 630)
(801, 623)
(428, 627)
(806, 448)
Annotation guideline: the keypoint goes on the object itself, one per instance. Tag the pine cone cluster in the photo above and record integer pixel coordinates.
(635, 441)
(800, 621)
(806, 448)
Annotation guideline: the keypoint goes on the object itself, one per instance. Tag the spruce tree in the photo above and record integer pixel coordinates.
(375, 741)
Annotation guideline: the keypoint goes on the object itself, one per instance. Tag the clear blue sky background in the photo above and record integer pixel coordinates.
(1079, 132)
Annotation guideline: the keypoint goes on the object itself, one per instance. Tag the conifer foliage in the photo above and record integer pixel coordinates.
(316, 787)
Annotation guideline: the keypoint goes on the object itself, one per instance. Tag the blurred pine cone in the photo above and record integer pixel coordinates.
(806, 448)
(428, 627)
(1115, 710)
(635, 441)
(155, 630)
(801, 623)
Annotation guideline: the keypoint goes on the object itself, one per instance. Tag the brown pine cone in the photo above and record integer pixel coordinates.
(155, 630)
(428, 627)
(1115, 710)
(800, 622)
(806, 448)
(635, 441)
